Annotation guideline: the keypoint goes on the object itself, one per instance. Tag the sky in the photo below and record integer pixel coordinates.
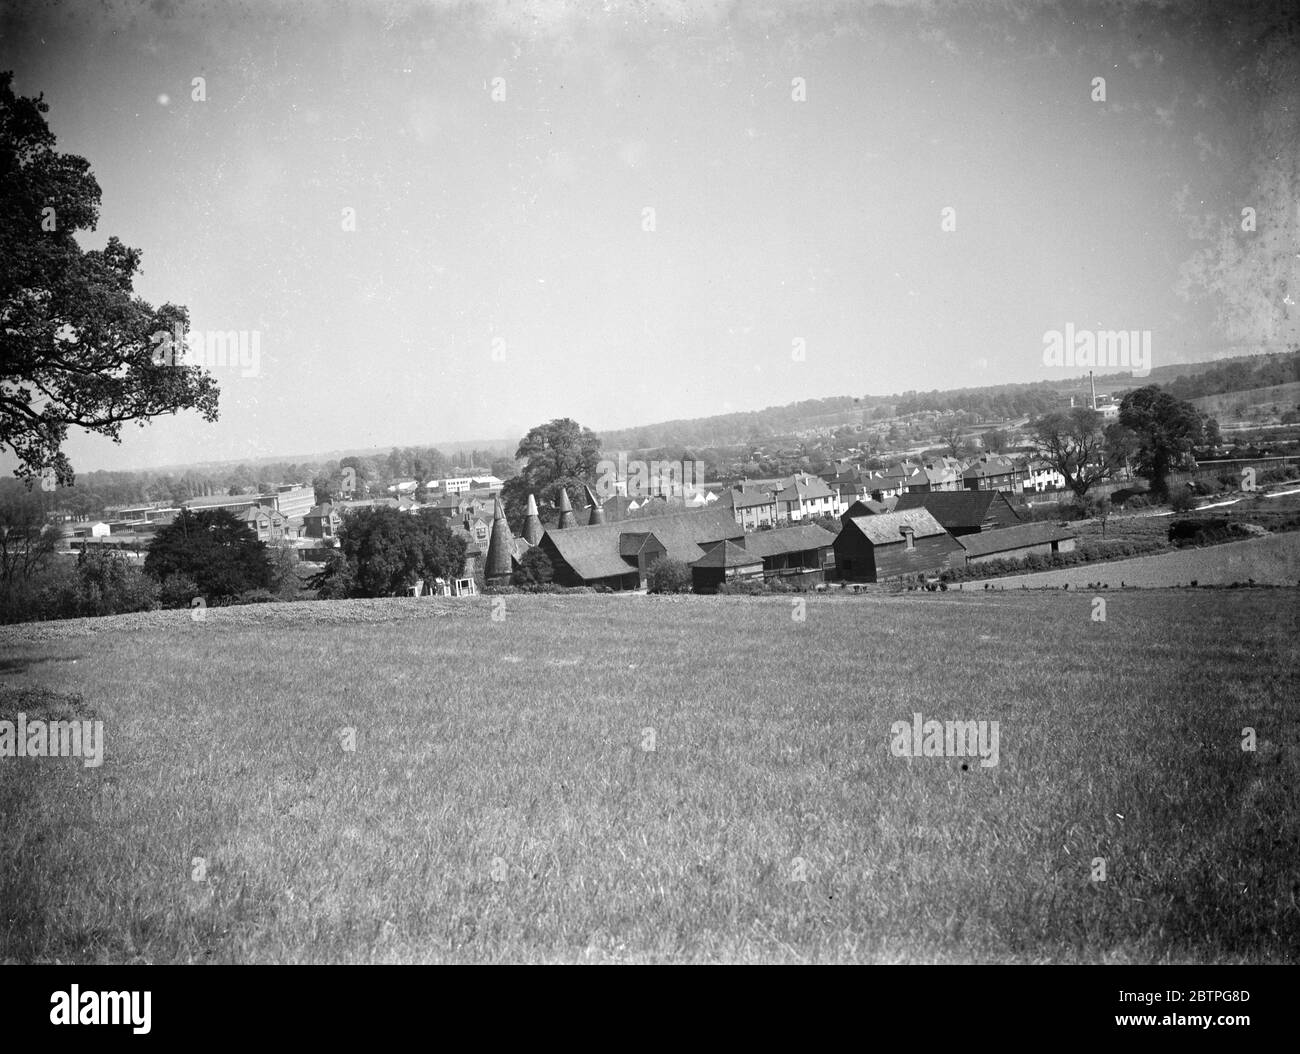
(628, 212)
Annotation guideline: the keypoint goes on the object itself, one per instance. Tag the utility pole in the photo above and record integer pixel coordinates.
(1093, 385)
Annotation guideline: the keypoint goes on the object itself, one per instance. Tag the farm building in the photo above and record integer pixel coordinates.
(962, 512)
(894, 544)
(619, 554)
(802, 552)
(1015, 543)
(728, 562)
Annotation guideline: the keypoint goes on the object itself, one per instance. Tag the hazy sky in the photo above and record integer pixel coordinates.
(522, 220)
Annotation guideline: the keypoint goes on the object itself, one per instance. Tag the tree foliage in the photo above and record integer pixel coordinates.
(77, 347)
(220, 553)
(534, 569)
(1073, 443)
(1166, 428)
(560, 454)
(383, 552)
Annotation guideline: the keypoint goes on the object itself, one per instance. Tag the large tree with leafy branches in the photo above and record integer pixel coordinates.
(1167, 429)
(77, 346)
(560, 454)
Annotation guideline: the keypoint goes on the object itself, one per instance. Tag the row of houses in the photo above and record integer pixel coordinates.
(757, 504)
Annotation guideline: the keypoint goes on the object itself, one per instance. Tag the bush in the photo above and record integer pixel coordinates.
(669, 576)
(1182, 500)
(177, 591)
(534, 569)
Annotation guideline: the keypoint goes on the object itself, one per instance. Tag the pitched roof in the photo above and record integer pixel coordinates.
(728, 554)
(788, 540)
(955, 509)
(593, 551)
(804, 487)
(887, 528)
(633, 543)
(746, 499)
(992, 467)
(1006, 538)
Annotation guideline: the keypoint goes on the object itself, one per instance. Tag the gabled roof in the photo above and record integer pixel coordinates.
(593, 551)
(633, 543)
(982, 469)
(1017, 537)
(956, 509)
(887, 528)
(788, 540)
(805, 487)
(746, 499)
(728, 554)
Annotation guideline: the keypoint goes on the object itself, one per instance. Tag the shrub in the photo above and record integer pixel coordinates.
(177, 591)
(1182, 500)
(669, 576)
(534, 569)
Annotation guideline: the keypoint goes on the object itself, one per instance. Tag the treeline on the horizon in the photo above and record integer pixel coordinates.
(1237, 375)
(93, 492)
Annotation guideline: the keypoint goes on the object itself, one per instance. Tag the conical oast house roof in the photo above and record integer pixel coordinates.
(597, 513)
(498, 566)
(567, 518)
(532, 523)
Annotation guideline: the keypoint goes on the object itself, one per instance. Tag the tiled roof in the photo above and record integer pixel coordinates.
(888, 527)
(1004, 539)
(593, 552)
(955, 509)
(788, 540)
(729, 554)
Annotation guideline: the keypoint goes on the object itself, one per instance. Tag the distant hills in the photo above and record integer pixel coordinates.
(1006, 401)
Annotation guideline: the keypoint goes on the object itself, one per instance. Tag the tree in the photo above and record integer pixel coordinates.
(78, 348)
(559, 454)
(26, 540)
(383, 552)
(219, 552)
(995, 440)
(534, 569)
(503, 467)
(1213, 438)
(1073, 443)
(1166, 427)
(112, 585)
(950, 432)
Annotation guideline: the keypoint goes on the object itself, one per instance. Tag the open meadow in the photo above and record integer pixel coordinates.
(626, 778)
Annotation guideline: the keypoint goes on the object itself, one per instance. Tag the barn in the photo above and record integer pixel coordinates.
(892, 545)
(962, 512)
(1016, 543)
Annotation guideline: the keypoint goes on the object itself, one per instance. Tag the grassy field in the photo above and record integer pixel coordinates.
(603, 778)
(1273, 560)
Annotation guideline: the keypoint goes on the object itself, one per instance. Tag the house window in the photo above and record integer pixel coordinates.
(909, 539)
